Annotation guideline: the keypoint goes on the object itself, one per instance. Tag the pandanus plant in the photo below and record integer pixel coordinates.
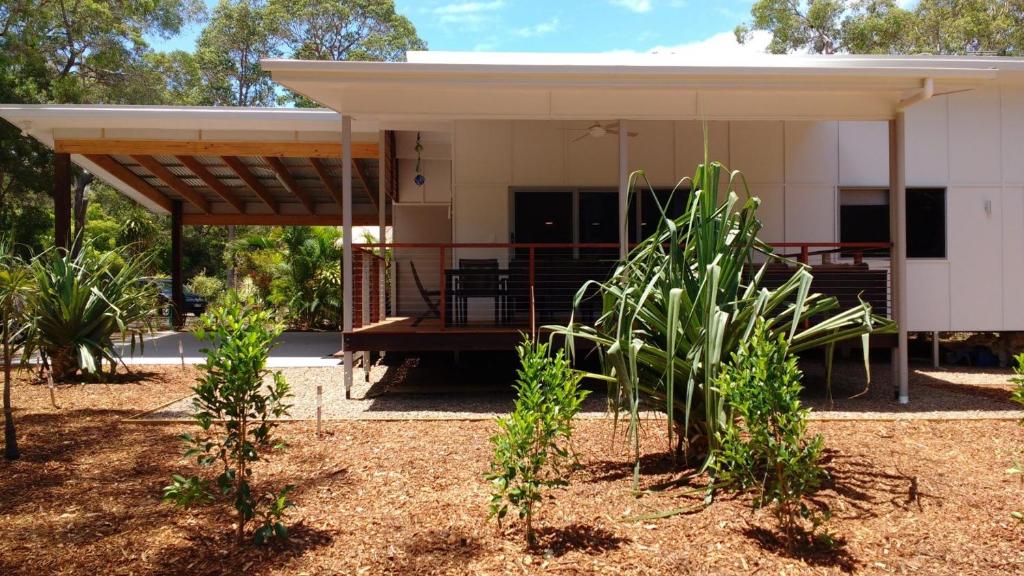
(684, 299)
(81, 302)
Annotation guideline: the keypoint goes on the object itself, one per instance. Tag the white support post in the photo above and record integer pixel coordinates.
(898, 196)
(346, 230)
(623, 189)
(382, 225)
(365, 290)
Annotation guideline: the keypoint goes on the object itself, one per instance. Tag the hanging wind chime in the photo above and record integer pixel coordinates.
(420, 180)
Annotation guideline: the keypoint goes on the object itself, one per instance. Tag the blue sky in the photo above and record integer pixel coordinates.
(560, 25)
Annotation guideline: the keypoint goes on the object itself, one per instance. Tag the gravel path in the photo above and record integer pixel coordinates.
(394, 394)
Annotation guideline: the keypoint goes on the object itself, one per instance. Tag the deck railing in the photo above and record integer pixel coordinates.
(518, 285)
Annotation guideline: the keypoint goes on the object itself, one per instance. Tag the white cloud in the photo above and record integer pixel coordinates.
(467, 12)
(638, 6)
(538, 29)
(720, 46)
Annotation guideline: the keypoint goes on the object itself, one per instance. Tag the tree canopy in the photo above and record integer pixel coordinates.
(948, 27)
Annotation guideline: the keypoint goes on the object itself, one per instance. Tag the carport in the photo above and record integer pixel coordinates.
(222, 167)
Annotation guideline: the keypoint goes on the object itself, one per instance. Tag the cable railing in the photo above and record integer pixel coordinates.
(513, 286)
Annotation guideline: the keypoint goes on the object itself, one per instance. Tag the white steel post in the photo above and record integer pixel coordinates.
(898, 183)
(346, 230)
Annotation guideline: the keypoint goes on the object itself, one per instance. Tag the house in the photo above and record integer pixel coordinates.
(504, 177)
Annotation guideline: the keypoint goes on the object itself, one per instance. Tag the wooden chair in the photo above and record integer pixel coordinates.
(432, 306)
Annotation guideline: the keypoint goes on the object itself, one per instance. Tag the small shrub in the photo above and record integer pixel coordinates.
(764, 444)
(234, 410)
(1018, 397)
(532, 449)
(210, 288)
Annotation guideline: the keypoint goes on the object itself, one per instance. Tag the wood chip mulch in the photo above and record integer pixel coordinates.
(908, 497)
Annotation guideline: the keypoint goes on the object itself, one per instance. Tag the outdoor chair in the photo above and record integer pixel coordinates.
(480, 278)
(427, 295)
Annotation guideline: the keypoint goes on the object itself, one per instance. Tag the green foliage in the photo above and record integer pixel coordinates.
(210, 288)
(763, 445)
(15, 286)
(311, 279)
(1018, 397)
(81, 302)
(532, 449)
(993, 27)
(685, 299)
(235, 410)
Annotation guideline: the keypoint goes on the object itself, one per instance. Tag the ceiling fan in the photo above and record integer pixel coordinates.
(598, 130)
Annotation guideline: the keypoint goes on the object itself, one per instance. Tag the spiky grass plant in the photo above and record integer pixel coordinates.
(684, 299)
(80, 302)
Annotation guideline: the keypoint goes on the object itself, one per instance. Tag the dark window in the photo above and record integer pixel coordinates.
(864, 217)
(599, 217)
(543, 217)
(926, 223)
(674, 204)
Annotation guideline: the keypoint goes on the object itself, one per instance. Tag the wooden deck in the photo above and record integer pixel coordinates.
(398, 334)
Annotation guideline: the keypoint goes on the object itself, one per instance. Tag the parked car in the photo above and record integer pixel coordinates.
(194, 303)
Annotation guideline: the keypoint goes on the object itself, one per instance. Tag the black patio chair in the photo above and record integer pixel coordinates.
(432, 306)
(478, 278)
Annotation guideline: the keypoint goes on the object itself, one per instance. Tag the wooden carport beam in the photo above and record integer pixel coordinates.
(252, 181)
(212, 181)
(131, 179)
(173, 182)
(289, 182)
(325, 177)
(366, 183)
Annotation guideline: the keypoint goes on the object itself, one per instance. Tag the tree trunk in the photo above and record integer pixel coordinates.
(239, 480)
(10, 437)
(82, 182)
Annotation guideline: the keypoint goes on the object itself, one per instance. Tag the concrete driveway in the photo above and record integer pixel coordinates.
(294, 349)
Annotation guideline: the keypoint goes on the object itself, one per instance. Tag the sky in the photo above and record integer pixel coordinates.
(563, 25)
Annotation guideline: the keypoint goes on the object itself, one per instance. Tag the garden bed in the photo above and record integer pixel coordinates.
(408, 498)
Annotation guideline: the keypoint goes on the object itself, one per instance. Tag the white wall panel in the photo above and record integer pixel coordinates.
(438, 187)
(653, 151)
(483, 152)
(928, 289)
(810, 213)
(690, 146)
(590, 161)
(926, 146)
(757, 149)
(1013, 134)
(864, 154)
(975, 158)
(975, 258)
(481, 213)
(812, 152)
(538, 153)
(772, 212)
(1013, 257)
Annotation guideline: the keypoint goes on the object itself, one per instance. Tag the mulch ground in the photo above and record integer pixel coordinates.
(910, 497)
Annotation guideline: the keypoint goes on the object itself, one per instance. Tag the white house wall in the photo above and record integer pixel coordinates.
(971, 144)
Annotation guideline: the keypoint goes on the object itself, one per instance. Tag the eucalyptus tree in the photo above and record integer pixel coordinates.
(990, 27)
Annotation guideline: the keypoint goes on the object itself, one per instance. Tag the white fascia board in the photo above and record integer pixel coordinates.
(37, 118)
